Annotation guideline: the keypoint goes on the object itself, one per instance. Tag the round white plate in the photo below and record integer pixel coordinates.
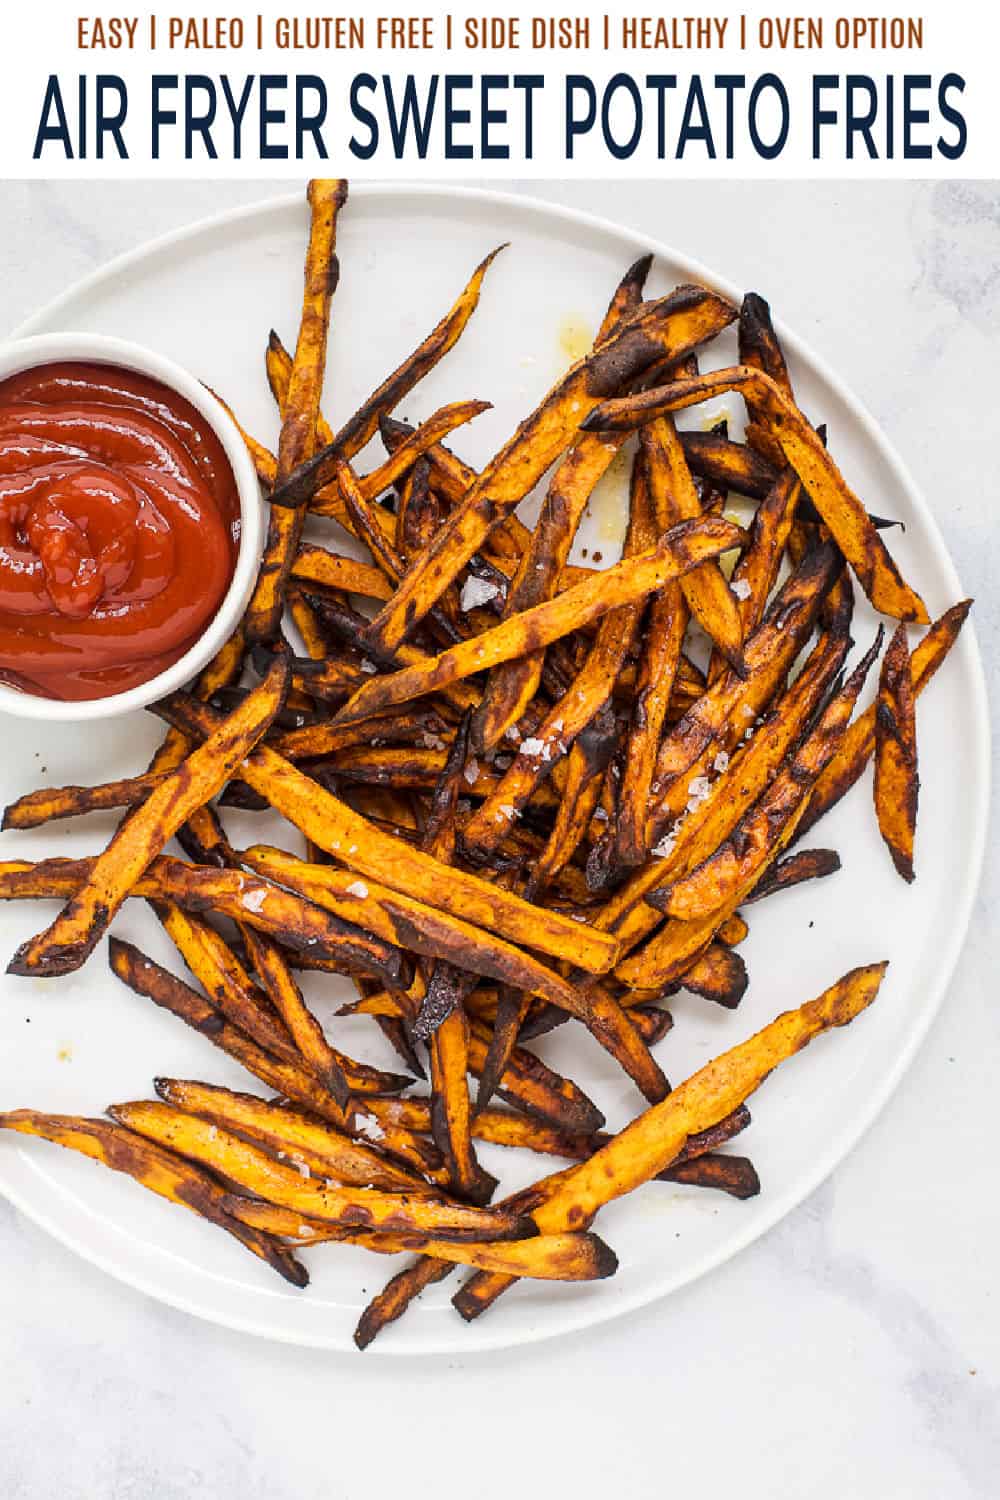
(206, 297)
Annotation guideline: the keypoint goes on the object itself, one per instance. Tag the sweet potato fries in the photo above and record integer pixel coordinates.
(519, 791)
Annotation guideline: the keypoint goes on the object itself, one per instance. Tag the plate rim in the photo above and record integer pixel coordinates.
(842, 1143)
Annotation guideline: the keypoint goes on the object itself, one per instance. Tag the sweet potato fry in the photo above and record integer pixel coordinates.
(557, 1257)
(359, 428)
(283, 1130)
(727, 465)
(317, 565)
(584, 698)
(682, 548)
(718, 974)
(802, 448)
(356, 841)
(586, 764)
(303, 1027)
(744, 776)
(72, 937)
(675, 499)
(659, 657)
(306, 623)
(364, 1208)
(897, 782)
(161, 1171)
(533, 1087)
(665, 329)
(859, 741)
(392, 469)
(654, 1139)
(738, 863)
(805, 864)
(148, 979)
(451, 1112)
(305, 385)
(414, 924)
(510, 687)
(396, 1296)
(49, 804)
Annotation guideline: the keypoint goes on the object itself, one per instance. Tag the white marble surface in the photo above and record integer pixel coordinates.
(855, 1351)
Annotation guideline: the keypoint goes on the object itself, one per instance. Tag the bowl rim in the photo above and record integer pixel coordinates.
(54, 348)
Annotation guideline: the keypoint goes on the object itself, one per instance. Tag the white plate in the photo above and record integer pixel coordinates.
(206, 297)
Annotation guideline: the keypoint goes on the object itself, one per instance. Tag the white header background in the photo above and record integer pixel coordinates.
(961, 37)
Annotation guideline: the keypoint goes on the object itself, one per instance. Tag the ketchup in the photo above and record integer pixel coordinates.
(119, 529)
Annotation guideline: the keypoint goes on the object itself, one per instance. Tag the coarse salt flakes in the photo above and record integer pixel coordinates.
(664, 847)
(357, 888)
(369, 667)
(433, 742)
(721, 762)
(253, 900)
(532, 746)
(698, 789)
(601, 814)
(477, 591)
(471, 772)
(741, 588)
(513, 733)
(368, 1125)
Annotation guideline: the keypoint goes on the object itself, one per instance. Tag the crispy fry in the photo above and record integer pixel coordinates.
(840, 508)
(316, 565)
(49, 804)
(414, 924)
(557, 1257)
(728, 465)
(72, 937)
(745, 776)
(859, 741)
(147, 978)
(897, 782)
(718, 974)
(362, 426)
(332, 825)
(451, 1112)
(738, 863)
(586, 764)
(347, 1161)
(675, 499)
(395, 467)
(511, 686)
(682, 548)
(396, 1296)
(363, 1208)
(532, 1086)
(806, 864)
(305, 385)
(303, 1027)
(159, 1170)
(666, 329)
(653, 1140)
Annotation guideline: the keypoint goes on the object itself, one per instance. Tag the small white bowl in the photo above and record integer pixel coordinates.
(51, 348)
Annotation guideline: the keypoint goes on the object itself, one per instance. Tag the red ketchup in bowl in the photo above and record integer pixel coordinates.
(119, 529)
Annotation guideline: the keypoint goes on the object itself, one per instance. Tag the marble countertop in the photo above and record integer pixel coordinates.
(855, 1350)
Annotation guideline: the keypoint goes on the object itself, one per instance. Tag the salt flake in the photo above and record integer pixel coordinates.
(477, 591)
(741, 588)
(368, 1126)
(357, 888)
